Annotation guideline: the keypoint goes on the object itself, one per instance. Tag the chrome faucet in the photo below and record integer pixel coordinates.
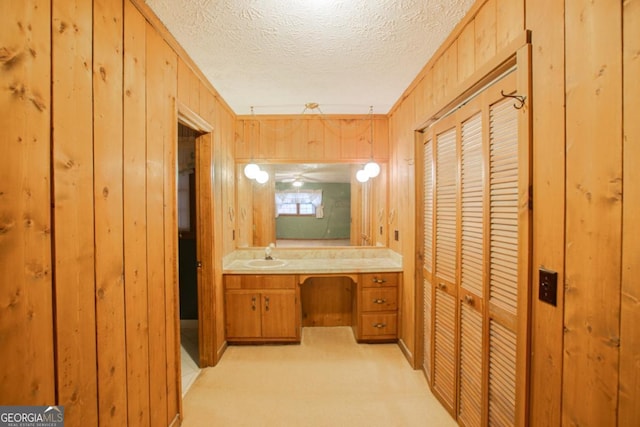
(267, 251)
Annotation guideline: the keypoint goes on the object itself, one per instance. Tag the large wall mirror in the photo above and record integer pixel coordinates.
(311, 204)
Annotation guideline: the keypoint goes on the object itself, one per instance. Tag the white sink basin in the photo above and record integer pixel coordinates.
(265, 263)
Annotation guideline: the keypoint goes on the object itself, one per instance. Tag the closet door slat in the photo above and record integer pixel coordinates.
(472, 206)
(503, 196)
(446, 205)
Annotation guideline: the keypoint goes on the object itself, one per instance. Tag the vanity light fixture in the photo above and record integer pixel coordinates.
(252, 170)
(371, 169)
(362, 175)
(262, 177)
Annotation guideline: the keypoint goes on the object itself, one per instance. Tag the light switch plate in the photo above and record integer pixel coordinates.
(548, 287)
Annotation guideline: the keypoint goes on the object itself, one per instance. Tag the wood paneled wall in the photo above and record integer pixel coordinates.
(629, 385)
(311, 138)
(584, 361)
(88, 227)
(26, 293)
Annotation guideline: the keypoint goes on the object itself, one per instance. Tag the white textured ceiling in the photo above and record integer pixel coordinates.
(278, 55)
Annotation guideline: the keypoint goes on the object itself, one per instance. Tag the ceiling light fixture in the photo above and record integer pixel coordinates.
(311, 106)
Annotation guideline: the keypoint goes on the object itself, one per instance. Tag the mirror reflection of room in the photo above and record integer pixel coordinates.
(310, 204)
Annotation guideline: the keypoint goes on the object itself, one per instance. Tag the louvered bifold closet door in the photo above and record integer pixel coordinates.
(471, 272)
(428, 253)
(445, 361)
(503, 264)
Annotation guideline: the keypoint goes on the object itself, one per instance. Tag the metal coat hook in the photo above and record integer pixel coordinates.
(520, 98)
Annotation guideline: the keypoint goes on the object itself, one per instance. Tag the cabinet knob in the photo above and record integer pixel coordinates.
(379, 325)
(442, 286)
(469, 299)
(253, 303)
(266, 303)
(379, 301)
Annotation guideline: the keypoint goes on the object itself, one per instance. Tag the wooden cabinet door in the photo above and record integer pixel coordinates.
(279, 314)
(243, 314)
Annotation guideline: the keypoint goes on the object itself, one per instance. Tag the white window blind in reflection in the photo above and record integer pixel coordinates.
(295, 202)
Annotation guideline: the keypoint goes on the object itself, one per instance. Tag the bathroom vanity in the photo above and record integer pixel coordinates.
(262, 296)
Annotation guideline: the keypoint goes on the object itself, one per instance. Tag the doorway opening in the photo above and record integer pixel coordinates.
(188, 255)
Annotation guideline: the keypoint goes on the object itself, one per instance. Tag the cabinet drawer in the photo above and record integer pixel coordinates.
(378, 325)
(260, 281)
(379, 299)
(377, 280)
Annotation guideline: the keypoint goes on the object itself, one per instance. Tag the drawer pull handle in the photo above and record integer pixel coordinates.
(379, 325)
(379, 301)
(376, 280)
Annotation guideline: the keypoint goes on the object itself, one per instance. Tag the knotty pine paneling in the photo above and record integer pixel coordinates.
(594, 212)
(207, 107)
(438, 80)
(205, 250)
(223, 213)
(157, 61)
(485, 31)
(466, 52)
(108, 205)
(188, 87)
(546, 21)
(629, 390)
(135, 220)
(73, 211)
(315, 140)
(26, 296)
(450, 68)
(509, 21)
(401, 214)
(170, 174)
(94, 188)
(311, 138)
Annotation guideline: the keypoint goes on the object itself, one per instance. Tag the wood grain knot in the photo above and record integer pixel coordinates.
(6, 227)
(9, 57)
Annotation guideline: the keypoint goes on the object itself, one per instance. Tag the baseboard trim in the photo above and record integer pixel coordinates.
(220, 352)
(407, 353)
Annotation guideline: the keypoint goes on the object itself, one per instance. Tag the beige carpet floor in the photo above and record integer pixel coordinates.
(327, 380)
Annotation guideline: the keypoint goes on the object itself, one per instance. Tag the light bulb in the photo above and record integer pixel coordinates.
(251, 170)
(372, 169)
(362, 175)
(297, 183)
(262, 177)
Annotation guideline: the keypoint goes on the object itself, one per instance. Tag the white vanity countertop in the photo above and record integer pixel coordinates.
(313, 261)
